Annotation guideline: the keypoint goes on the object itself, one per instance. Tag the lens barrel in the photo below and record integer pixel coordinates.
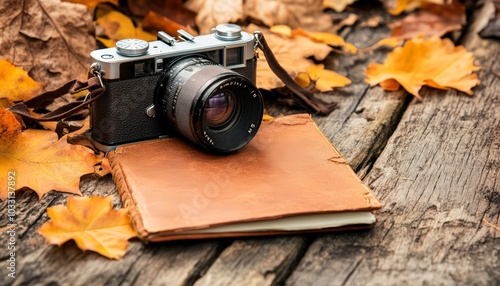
(212, 106)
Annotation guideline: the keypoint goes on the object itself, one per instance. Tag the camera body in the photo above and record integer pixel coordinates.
(134, 74)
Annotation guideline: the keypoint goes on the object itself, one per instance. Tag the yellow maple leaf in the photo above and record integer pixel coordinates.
(325, 80)
(92, 223)
(16, 84)
(40, 161)
(434, 62)
(320, 37)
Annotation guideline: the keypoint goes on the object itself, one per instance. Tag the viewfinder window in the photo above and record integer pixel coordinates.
(234, 56)
(139, 69)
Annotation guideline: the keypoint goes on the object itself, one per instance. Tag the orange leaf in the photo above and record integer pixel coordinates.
(434, 62)
(320, 37)
(43, 163)
(92, 223)
(292, 53)
(408, 5)
(16, 84)
(156, 22)
(10, 128)
(325, 80)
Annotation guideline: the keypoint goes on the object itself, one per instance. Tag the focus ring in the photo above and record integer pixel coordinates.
(188, 94)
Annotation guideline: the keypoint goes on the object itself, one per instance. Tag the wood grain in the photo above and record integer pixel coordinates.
(438, 179)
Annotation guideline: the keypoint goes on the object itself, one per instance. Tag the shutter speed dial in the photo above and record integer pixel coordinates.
(132, 47)
(227, 32)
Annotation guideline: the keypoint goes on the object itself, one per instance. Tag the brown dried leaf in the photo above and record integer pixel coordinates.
(212, 13)
(154, 22)
(49, 39)
(174, 10)
(492, 27)
(306, 14)
(431, 20)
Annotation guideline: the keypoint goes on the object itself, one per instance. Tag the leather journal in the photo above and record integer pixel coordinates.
(288, 179)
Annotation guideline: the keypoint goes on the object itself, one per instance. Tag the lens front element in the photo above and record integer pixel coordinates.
(212, 106)
(219, 109)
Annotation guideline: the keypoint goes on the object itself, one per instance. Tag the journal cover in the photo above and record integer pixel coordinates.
(289, 178)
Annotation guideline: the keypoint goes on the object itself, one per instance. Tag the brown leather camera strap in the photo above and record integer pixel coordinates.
(300, 95)
(93, 85)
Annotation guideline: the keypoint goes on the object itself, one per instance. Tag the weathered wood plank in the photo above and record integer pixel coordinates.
(177, 263)
(438, 180)
(255, 261)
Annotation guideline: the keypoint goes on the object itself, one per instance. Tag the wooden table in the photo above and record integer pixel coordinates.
(435, 166)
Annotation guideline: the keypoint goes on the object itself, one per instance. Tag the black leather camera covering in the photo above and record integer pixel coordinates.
(119, 116)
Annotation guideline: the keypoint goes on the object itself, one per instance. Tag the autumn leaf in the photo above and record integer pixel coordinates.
(41, 162)
(114, 26)
(92, 223)
(92, 3)
(306, 14)
(337, 5)
(155, 22)
(16, 84)
(387, 42)
(434, 62)
(10, 128)
(212, 13)
(321, 37)
(49, 39)
(174, 10)
(431, 20)
(372, 22)
(6, 102)
(324, 80)
(491, 11)
(396, 7)
(292, 54)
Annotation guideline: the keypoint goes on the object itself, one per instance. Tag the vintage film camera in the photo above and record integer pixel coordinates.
(202, 88)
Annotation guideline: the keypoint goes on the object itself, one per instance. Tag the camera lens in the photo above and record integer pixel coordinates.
(208, 104)
(219, 109)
